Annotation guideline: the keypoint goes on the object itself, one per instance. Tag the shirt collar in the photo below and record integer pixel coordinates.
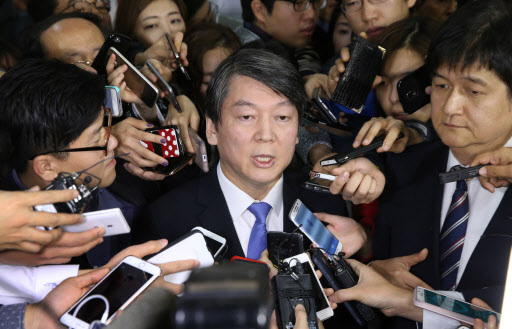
(257, 30)
(238, 201)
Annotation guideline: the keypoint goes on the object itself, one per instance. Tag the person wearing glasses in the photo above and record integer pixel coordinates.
(42, 9)
(52, 122)
(373, 16)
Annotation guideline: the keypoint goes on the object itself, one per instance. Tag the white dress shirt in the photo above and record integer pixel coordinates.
(22, 284)
(482, 206)
(238, 201)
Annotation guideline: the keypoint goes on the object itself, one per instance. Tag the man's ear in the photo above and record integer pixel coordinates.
(411, 3)
(211, 132)
(45, 166)
(260, 11)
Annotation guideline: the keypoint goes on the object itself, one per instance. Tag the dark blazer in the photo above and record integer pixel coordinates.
(202, 203)
(409, 220)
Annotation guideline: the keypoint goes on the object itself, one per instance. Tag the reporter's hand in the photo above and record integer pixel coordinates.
(129, 133)
(339, 67)
(351, 234)
(60, 251)
(316, 81)
(499, 173)
(359, 180)
(46, 314)
(152, 247)
(397, 270)
(189, 117)
(391, 126)
(491, 321)
(375, 291)
(163, 70)
(272, 270)
(161, 51)
(18, 219)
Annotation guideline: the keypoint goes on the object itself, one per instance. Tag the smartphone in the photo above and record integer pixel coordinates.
(113, 100)
(324, 110)
(177, 57)
(319, 182)
(135, 80)
(283, 245)
(451, 307)
(190, 246)
(172, 151)
(113, 293)
(215, 243)
(411, 90)
(112, 220)
(323, 308)
(116, 40)
(201, 159)
(377, 142)
(313, 228)
(165, 87)
(356, 82)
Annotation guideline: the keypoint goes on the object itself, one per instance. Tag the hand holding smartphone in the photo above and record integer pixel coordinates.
(114, 292)
(165, 87)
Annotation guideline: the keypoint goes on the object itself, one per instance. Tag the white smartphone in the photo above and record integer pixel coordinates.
(190, 246)
(113, 293)
(323, 308)
(506, 309)
(136, 81)
(201, 159)
(214, 242)
(313, 228)
(112, 220)
(113, 100)
(453, 308)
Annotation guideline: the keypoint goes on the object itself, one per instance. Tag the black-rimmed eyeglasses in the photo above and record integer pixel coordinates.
(85, 6)
(107, 123)
(303, 5)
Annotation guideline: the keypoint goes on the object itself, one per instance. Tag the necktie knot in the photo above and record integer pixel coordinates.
(461, 184)
(260, 210)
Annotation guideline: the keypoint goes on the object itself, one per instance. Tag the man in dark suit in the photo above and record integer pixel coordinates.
(466, 229)
(253, 113)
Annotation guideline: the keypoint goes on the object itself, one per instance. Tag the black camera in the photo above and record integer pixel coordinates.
(229, 296)
(65, 181)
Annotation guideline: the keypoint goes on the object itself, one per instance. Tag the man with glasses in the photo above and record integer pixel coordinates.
(41, 9)
(53, 122)
(373, 16)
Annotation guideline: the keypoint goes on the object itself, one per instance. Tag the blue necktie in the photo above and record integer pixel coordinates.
(453, 234)
(258, 239)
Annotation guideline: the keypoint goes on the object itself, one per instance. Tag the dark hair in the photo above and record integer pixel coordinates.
(261, 65)
(129, 10)
(45, 106)
(476, 34)
(201, 39)
(414, 33)
(32, 41)
(247, 13)
(41, 9)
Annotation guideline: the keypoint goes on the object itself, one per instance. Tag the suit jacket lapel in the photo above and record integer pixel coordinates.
(215, 216)
(290, 194)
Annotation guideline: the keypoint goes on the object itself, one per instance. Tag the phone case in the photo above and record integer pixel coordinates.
(112, 220)
(119, 41)
(356, 82)
(411, 90)
(201, 159)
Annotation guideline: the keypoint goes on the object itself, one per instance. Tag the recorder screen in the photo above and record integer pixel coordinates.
(116, 288)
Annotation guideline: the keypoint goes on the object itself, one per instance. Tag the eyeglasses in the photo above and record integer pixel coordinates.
(86, 6)
(107, 123)
(351, 6)
(303, 5)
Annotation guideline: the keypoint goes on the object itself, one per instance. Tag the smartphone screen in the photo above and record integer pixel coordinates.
(120, 285)
(458, 306)
(321, 302)
(315, 230)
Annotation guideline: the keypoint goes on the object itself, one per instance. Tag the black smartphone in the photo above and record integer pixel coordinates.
(172, 151)
(411, 90)
(360, 151)
(116, 40)
(165, 87)
(284, 245)
(356, 82)
(319, 104)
